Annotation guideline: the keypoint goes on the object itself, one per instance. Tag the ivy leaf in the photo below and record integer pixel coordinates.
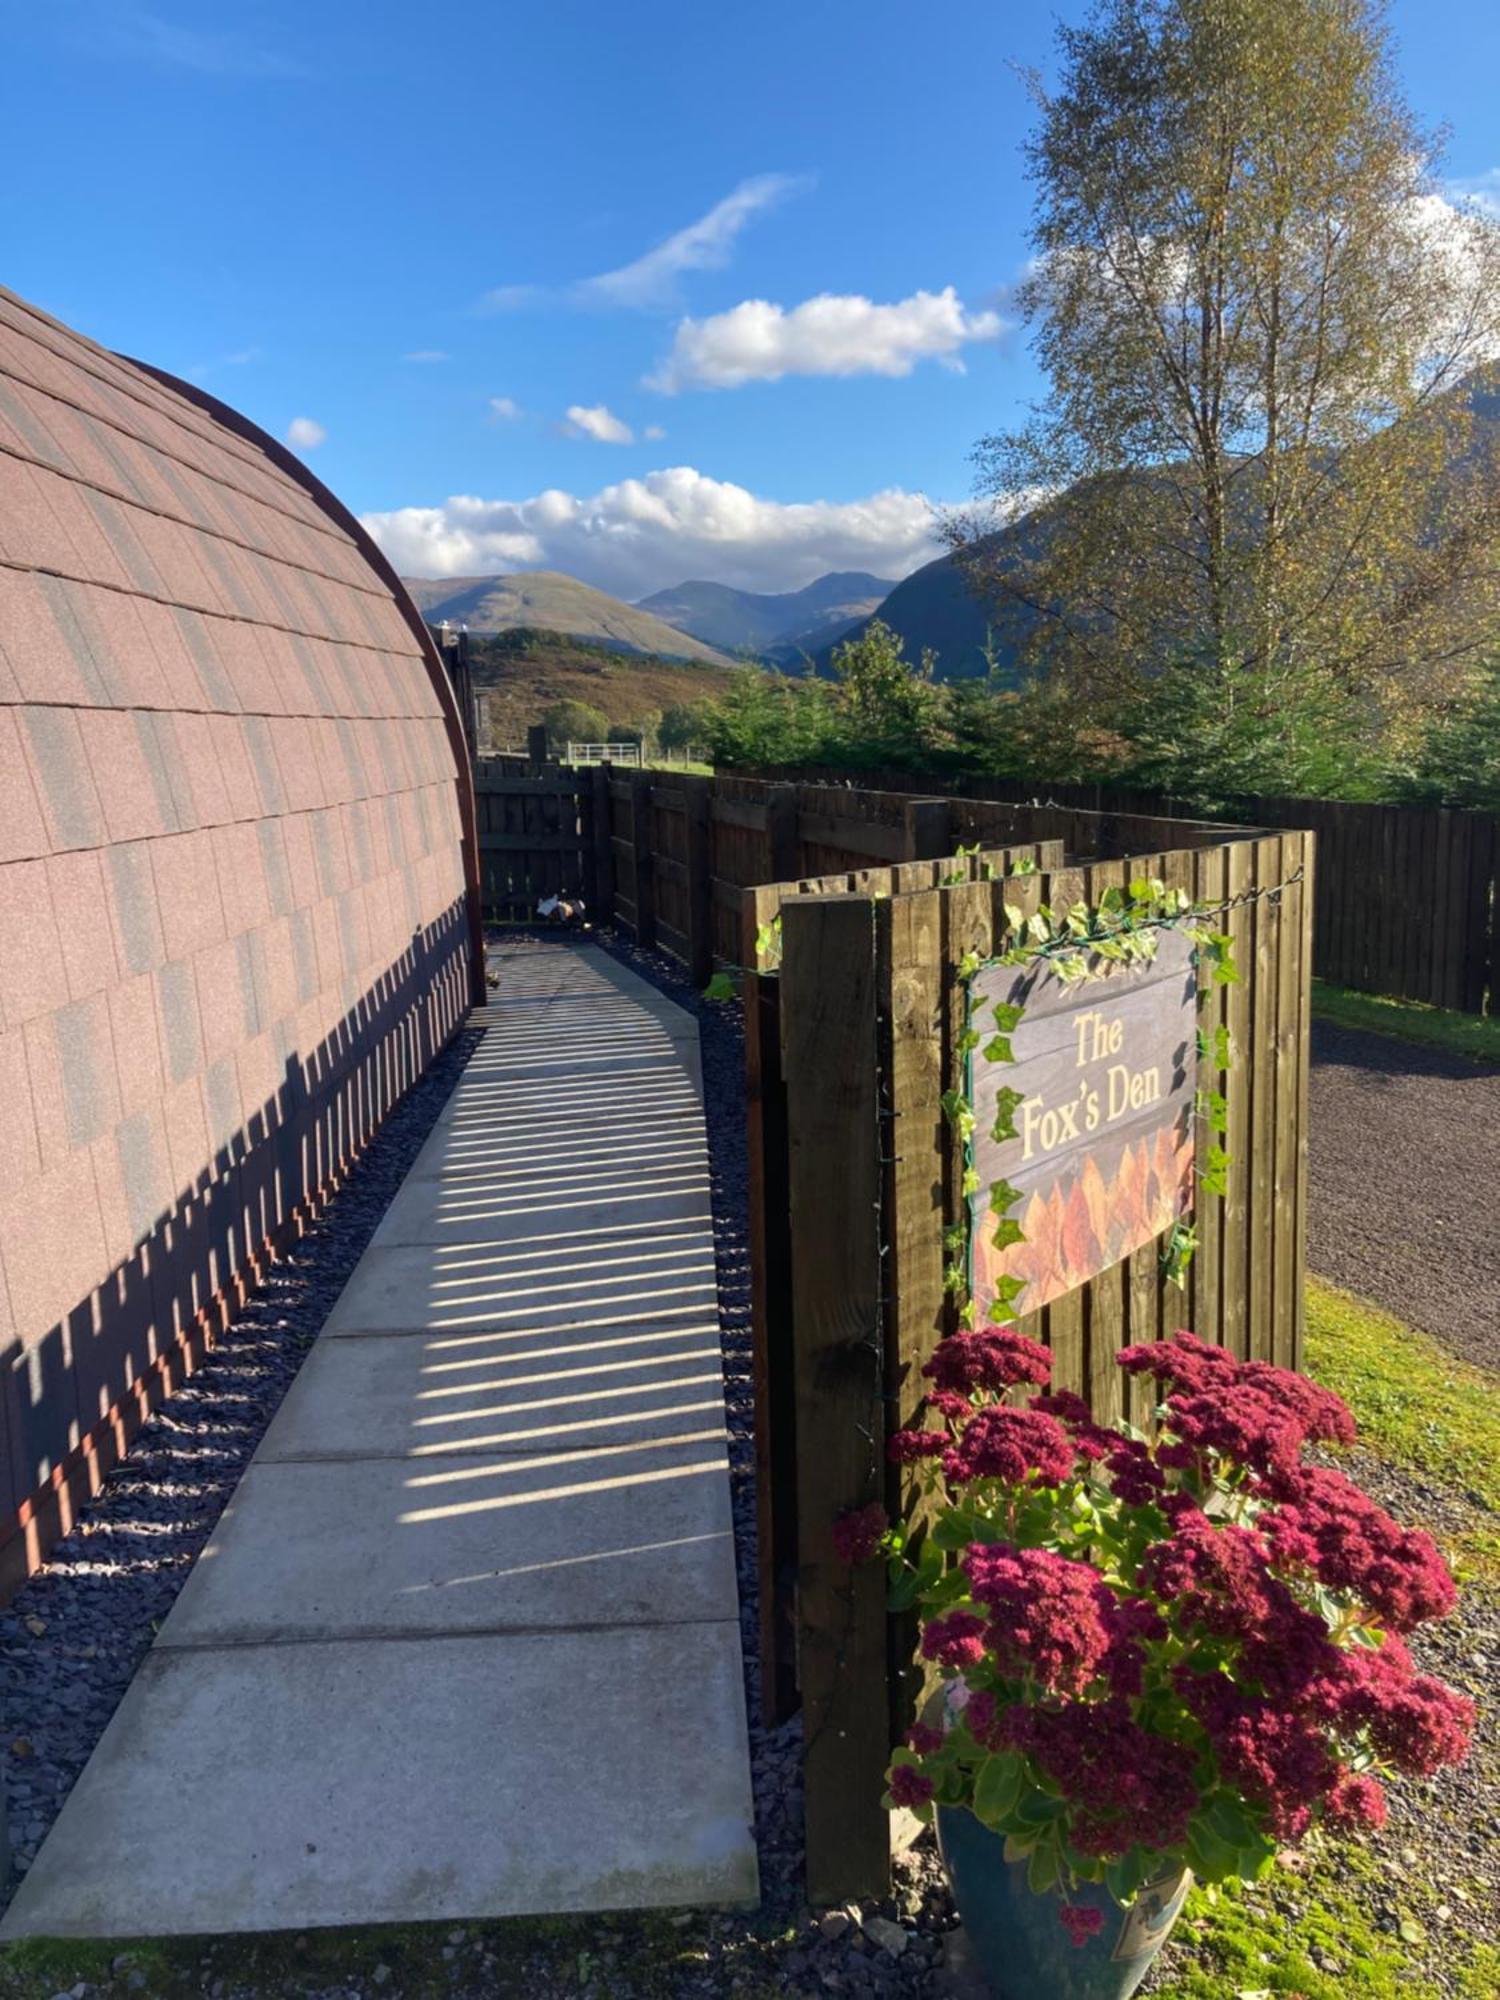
(720, 987)
(1006, 1104)
(1008, 1016)
(970, 1182)
(1007, 1231)
(998, 1049)
(1003, 1197)
(959, 1112)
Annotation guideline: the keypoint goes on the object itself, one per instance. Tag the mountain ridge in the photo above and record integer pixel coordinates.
(551, 601)
(774, 625)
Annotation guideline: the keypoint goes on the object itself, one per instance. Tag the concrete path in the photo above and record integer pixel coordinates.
(465, 1643)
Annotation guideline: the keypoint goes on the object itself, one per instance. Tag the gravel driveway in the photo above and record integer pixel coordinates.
(1404, 1196)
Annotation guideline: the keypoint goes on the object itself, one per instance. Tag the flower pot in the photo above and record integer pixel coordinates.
(1019, 1940)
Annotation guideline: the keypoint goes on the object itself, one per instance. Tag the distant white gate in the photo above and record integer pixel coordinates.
(604, 753)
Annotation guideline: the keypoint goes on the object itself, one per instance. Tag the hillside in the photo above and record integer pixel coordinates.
(933, 607)
(521, 673)
(779, 625)
(547, 600)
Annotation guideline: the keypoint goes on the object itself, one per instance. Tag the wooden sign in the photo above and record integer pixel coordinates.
(1090, 1122)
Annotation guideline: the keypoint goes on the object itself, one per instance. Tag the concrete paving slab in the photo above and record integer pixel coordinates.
(422, 1395)
(437, 1779)
(634, 1535)
(431, 1210)
(412, 1286)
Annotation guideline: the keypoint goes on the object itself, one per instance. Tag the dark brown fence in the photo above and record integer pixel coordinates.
(536, 836)
(1408, 898)
(853, 1014)
(855, 1174)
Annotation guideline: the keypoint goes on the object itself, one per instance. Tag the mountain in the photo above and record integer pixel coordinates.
(780, 626)
(933, 607)
(543, 599)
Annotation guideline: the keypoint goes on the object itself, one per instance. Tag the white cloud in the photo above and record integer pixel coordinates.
(832, 334)
(646, 534)
(651, 280)
(504, 409)
(305, 434)
(106, 27)
(427, 355)
(653, 433)
(703, 246)
(1483, 190)
(598, 422)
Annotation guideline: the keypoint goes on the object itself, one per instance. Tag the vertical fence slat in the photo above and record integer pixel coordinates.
(1261, 1079)
(828, 1055)
(909, 948)
(1286, 1166)
(643, 841)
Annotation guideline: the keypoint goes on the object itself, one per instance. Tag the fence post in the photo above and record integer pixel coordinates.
(645, 859)
(927, 824)
(828, 1024)
(604, 846)
(781, 832)
(536, 746)
(700, 888)
(770, 1312)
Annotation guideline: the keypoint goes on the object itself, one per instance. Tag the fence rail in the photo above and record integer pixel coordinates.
(1408, 901)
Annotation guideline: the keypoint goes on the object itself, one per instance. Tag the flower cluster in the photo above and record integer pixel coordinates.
(859, 1534)
(1056, 1622)
(1323, 1524)
(1183, 1650)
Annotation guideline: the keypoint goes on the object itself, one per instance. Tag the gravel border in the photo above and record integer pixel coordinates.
(73, 1635)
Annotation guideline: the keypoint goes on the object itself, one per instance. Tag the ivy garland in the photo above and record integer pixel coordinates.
(1083, 943)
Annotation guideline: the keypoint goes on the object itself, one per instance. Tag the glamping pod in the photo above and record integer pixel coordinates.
(237, 892)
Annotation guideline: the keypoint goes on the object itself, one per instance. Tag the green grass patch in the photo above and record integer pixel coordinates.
(1474, 1035)
(1315, 1934)
(1309, 1934)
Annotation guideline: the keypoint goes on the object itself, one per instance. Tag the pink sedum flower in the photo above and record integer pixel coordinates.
(857, 1536)
(1081, 1921)
(909, 1786)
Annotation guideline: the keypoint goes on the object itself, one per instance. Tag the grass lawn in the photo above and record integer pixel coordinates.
(1313, 1929)
(1473, 1035)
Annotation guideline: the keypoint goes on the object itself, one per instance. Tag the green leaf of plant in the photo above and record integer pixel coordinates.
(997, 1788)
(1003, 1196)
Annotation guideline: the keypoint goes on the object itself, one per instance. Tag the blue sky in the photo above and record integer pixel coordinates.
(626, 212)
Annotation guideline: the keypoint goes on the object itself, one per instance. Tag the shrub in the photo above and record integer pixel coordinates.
(1181, 1650)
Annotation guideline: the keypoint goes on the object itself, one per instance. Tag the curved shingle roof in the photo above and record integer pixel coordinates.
(234, 910)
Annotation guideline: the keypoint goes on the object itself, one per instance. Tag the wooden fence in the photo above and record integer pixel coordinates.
(1408, 899)
(670, 856)
(853, 1013)
(855, 1173)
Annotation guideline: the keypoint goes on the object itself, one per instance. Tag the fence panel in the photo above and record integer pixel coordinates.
(1408, 897)
(536, 838)
(870, 1015)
